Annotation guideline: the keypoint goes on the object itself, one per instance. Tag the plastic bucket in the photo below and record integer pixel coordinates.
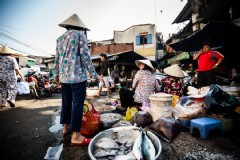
(161, 105)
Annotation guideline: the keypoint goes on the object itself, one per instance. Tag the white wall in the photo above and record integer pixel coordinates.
(129, 35)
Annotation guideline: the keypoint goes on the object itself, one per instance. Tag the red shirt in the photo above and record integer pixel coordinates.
(207, 60)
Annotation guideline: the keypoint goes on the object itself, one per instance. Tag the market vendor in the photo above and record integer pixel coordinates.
(144, 84)
(173, 83)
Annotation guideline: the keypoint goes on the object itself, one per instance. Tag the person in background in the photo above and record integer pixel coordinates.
(104, 74)
(208, 60)
(8, 78)
(173, 83)
(123, 75)
(72, 62)
(116, 74)
(144, 84)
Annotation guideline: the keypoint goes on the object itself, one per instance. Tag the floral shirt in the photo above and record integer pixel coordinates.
(72, 58)
(172, 85)
(145, 84)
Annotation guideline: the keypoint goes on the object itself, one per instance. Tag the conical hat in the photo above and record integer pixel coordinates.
(174, 70)
(5, 50)
(147, 62)
(74, 21)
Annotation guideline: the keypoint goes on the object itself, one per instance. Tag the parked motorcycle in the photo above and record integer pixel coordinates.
(44, 87)
(33, 83)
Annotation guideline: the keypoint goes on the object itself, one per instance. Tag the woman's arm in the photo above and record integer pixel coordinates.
(136, 79)
(19, 73)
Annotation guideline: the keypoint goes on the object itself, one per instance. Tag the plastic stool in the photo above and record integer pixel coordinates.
(204, 125)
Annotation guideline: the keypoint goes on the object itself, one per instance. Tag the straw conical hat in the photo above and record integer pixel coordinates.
(174, 71)
(147, 62)
(5, 50)
(74, 21)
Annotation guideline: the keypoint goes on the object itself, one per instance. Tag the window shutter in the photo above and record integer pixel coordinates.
(149, 38)
(137, 40)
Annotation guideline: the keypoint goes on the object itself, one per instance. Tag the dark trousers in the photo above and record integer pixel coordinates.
(206, 78)
(126, 98)
(73, 96)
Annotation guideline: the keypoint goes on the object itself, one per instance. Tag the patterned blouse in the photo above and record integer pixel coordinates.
(72, 58)
(8, 65)
(172, 85)
(145, 84)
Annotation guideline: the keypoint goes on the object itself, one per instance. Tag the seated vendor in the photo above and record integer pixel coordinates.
(144, 84)
(173, 83)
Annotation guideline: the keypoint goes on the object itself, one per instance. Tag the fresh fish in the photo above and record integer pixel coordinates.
(127, 137)
(125, 128)
(107, 143)
(148, 148)
(137, 147)
(129, 156)
(100, 152)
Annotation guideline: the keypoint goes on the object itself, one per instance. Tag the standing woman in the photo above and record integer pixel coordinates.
(104, 74)
(144, 84)
(8, 79)
(73, 62)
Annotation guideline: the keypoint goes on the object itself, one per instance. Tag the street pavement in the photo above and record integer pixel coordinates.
(25, 134)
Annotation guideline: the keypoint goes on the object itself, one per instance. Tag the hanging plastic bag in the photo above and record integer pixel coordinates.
(23, 88)
(90, 120)
(131, 111)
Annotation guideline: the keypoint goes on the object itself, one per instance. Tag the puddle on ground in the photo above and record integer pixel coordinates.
(57, 126)
(53, 153)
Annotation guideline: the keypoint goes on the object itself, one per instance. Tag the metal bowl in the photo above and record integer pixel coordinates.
(109, 133)
(113, 119)
(107, 111)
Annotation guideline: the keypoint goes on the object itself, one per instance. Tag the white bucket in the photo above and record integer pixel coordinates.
(161, 105)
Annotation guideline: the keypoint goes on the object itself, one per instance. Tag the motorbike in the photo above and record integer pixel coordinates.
(44, 87)
(33, 83)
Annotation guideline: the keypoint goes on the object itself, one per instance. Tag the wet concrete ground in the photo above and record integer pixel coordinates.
(27, 131)
(185, 146)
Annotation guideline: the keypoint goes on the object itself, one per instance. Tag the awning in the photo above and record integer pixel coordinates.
(184, 55)
(214, 10)
(217, 33)
(185, 14)
(210, 10)
(126, 58)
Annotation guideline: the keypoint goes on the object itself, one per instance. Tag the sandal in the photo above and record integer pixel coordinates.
(85, 142)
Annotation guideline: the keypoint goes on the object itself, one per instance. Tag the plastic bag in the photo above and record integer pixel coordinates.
(219, 101)
(23, 88)
(189, 108)
(175, 100)
(167, 128)
(131, 111)
(142, 119)
(90, 120)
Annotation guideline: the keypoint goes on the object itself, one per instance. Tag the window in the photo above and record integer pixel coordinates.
(143, 39)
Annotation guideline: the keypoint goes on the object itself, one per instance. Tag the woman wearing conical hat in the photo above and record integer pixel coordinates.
(173, 83)
(73, 62)
(8, 79)
(144, 84)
